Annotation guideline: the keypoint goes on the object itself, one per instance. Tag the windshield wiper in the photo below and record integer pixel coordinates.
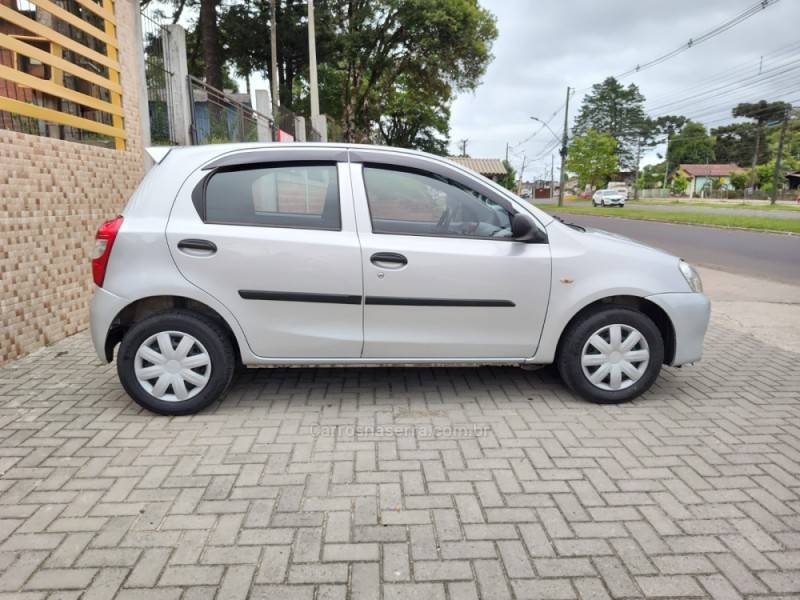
(573, 225)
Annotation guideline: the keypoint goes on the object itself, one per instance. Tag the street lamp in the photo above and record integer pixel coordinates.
(554, 134)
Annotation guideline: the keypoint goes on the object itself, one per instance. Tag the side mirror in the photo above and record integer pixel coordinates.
(524, 229)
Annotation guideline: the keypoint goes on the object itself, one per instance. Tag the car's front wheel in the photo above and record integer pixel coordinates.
(611, 355)
(175, 363)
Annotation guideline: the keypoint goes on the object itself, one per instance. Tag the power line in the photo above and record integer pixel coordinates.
(543, 124)
(732, 73)
(735, 86)
(719, 29)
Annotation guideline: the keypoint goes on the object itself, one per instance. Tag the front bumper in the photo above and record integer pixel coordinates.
(102, 312)
(689, 313)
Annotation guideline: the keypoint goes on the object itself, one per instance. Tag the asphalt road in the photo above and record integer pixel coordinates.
(766, 255)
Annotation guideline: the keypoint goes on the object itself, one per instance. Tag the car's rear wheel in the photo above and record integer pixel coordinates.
(611, 355)
(175, 363)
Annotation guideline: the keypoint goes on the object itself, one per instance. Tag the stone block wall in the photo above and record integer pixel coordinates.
(53, 195)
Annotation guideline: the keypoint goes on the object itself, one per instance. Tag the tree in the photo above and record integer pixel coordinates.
(692, 145)
(652, 176)
(735, 143)
(593, 157)
(415, 119)
(388, 69)
(762, 112)
(668, 126)
(431, 42)
(509, 180)
(739, 180)
(679, 184)
(212, 49)
(617, 111)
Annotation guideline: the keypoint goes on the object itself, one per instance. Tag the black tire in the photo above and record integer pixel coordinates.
(578, 333)
(205, 330)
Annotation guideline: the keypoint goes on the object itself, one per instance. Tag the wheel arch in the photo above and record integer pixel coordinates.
(651, 309)
(150, 305)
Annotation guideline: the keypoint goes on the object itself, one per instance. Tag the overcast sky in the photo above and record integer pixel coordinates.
(545, 45)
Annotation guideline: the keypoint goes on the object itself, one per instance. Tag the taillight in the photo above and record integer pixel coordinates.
(104, 240)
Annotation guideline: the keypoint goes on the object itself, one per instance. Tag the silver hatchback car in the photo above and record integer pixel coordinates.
(309, 254)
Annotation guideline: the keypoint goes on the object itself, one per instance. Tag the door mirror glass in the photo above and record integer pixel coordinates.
(524, 229)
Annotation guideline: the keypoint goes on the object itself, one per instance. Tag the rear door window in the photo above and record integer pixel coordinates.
(303, 196)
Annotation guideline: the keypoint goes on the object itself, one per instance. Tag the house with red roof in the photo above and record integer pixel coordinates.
(704, 178)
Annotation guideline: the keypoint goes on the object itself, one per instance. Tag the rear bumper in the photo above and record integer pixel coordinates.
(689, 314)
(102, 312)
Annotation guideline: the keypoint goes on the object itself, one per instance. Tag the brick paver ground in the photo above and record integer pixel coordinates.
(454, 483)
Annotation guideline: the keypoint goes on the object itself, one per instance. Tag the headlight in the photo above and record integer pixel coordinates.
(692, 276)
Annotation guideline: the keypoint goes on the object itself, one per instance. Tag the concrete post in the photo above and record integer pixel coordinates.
(179, 84)
(144, 104)
(264, 107)
(299, 129)
(320, 125)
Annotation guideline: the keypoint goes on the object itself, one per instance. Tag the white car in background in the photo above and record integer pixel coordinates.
(310, 254)
(609, 198)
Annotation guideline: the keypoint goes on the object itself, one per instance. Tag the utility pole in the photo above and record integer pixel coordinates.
(464, 147)
(636, 170)
(522, 172)
(312, 63)
(564, 141)
(273, 43)
(666, 163)
(753, 174)
(552, 174)
(776, 175)
(506, 151)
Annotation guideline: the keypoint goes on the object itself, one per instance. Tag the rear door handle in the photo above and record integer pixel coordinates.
(197, 247)
(388, 260)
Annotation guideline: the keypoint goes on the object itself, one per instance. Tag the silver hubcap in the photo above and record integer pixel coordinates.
(615, 357)
(172, 366)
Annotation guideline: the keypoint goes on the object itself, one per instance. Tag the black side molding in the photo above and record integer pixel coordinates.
(373, 300)
(399, 301)
(300, 297)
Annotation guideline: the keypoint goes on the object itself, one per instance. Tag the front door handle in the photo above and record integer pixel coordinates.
(388, 260)
(197, 247)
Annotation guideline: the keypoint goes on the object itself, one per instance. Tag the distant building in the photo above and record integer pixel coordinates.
(794, 180)
(707, 177)
(492, 168)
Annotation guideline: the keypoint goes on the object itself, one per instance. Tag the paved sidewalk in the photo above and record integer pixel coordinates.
(377, 483)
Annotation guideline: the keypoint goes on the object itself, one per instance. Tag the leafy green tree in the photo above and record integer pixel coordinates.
(509, 180)
(618, 111)
(692, 145)
(668, 126)
(679, 184)
(415, 118)
(434, 43)
(762, 112)
(652, 176)
(735, 143)
(593, 157)
(739, 180)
